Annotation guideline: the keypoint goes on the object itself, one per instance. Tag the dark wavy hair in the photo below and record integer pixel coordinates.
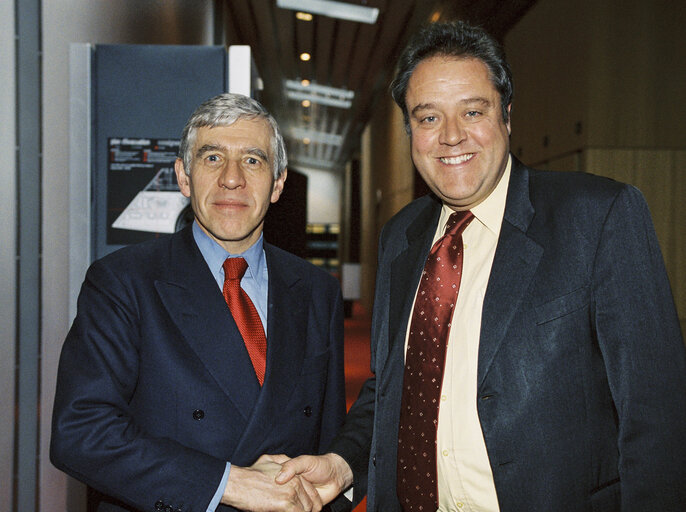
(454, 39)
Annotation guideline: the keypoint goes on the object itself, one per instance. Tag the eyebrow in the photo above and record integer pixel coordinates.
(467, 101)
(208, 148)
(258, 152)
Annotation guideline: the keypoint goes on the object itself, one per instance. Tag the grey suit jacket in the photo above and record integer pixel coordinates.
(582, 370)
(156, 390)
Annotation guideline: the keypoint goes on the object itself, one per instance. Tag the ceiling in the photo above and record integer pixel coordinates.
(354, 56)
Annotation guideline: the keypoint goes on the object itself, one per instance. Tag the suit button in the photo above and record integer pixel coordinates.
(198, 414)
(307, 411)
(159, 505)
(374, 460)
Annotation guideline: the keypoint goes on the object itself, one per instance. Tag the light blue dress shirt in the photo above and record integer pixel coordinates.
(255, 282)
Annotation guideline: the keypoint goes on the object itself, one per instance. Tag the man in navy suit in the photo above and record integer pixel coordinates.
(564, 383)
(159, 405)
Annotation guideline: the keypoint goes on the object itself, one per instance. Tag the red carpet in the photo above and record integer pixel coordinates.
(357, 330)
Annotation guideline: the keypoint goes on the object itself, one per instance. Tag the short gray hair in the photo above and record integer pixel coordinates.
(224, 110)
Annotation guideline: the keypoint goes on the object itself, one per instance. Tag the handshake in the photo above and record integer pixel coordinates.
(279, 483)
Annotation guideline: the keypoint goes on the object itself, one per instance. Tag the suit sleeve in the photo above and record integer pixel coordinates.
(334, 406)
(639, 335)
(354, 441)
(94, 437)
(333, 412)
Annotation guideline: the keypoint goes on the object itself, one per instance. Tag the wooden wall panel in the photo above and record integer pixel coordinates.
(387, 183)
(677, 268)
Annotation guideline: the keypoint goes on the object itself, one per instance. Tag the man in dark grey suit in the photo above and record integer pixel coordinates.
(564, 380)
(162, 401)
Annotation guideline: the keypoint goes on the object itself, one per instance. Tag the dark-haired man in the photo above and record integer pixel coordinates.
(526, 349)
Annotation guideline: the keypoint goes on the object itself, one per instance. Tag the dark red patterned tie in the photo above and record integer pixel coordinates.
(246, 316)
(424, 365)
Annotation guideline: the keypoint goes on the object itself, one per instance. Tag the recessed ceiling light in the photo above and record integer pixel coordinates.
(306, 103)
(306, 141)
(303, 16)
(305, 83)
(332, 9)
(305, 56)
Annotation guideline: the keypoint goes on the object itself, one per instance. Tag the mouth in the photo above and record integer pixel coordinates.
(229, 204)
(455, 160)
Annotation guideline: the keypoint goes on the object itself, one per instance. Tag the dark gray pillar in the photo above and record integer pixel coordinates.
(28, 154)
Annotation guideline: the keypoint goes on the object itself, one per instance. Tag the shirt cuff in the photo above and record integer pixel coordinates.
(212, 507)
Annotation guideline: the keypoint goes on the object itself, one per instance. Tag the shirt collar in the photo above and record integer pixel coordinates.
(214, 254)
(490, 211)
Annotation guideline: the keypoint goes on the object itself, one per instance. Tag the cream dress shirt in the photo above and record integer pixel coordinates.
(465, 480)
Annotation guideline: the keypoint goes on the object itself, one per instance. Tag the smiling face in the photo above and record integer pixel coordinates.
(460, 142)
(231, 182)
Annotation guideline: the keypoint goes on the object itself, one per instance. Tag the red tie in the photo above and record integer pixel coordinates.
(424, 365)
(244, 313)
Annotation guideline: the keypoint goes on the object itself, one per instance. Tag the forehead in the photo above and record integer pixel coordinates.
(244, 132)
(446, 77)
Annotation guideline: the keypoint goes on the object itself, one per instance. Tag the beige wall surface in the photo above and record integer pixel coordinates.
(98, 22)
(387, 178)
(548, 53)
(636, 72)
(600, 74)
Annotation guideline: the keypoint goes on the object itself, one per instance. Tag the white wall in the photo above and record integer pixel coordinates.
(65, 22)
(7, 250)
(323, 196)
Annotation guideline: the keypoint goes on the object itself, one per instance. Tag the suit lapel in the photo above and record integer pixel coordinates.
(289, 295)
(191, 296)
(407, 267)
(514, 265)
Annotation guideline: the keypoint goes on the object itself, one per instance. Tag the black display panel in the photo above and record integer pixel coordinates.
(142, 96)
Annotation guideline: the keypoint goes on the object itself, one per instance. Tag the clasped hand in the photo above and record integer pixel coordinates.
(255, 489)
(277, 483)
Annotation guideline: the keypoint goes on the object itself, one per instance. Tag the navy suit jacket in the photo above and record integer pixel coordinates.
(581, 390)
(156, 391)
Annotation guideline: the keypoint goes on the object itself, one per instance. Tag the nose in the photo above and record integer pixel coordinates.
(231, 176)
(452, 132)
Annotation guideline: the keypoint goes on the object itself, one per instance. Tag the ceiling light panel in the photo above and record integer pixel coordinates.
(332, 9)
(322, 94)
(322, 100)
(323, 90)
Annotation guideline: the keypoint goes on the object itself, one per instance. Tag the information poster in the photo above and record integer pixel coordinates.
(143, 198)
